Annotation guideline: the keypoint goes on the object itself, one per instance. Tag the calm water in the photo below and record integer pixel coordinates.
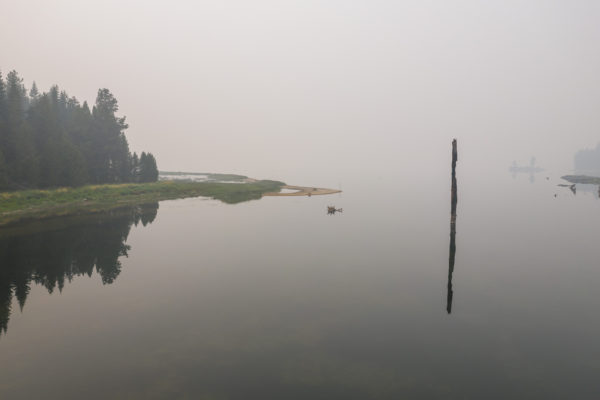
(274, 299)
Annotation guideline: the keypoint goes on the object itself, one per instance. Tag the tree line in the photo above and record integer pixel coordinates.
(588, 160)
(50, 140)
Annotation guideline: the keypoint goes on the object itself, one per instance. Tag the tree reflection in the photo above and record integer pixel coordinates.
(531, 170)
(52, 256)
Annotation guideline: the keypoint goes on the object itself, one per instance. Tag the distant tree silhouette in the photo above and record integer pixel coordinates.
(148, 171)
(588, 159)
(49, 139)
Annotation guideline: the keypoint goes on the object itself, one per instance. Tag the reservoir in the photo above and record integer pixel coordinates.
(273, 298)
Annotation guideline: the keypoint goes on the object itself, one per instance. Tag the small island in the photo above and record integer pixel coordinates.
(582, 179)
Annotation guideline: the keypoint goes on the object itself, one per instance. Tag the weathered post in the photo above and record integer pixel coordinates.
(453, 195)
(453, 201)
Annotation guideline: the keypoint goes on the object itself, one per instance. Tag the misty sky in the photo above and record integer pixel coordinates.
(291, 89)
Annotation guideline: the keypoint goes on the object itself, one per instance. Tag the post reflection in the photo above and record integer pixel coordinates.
(453, 203)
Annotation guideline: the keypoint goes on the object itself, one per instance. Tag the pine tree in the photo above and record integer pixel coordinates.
(50, 139)
(34, 93)
(3, 105)
(135, 168)
(4, 176)
(148, 168)
(20, 151)
(111, 162)
(152, 168)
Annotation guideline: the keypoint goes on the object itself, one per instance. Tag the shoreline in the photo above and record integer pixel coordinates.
(303, 191)
(39, 204)
(28, 205)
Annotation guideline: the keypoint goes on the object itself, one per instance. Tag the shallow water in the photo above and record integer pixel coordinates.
(276, 299)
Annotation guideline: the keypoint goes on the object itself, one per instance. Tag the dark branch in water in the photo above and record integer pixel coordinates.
(332, 210)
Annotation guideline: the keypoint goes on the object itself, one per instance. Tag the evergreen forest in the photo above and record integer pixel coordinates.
(51, 140)
(588, 160)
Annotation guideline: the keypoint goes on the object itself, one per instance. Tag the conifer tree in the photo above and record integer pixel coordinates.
(50, 139)
(4, 181)
(135, 168)
(34, 93)
(4, 176)
(111, 161)
(19, 152)
(3, 106)
(148, 168)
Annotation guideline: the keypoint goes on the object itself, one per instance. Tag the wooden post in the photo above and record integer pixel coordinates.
(453, 202)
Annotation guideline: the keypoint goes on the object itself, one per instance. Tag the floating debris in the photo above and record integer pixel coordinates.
(572, 187)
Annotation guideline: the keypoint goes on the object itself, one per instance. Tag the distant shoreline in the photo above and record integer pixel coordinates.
(583, 179)
(303, 191)
(30, 205)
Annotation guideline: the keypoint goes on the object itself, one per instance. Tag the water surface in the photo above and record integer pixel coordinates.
(273, 298)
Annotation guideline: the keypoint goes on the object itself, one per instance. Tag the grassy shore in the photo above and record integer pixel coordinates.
(209, 176)
(36, 204)
(590, 180)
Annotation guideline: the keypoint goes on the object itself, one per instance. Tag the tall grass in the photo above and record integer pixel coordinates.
(29, 204)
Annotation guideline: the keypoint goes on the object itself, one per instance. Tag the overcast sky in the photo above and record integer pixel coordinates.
(286, 89)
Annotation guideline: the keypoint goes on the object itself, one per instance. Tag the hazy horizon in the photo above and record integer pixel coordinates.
(306, 91)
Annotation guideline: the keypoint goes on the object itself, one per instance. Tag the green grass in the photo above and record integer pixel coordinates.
(210, 176)
(34, 204)
(593, 180)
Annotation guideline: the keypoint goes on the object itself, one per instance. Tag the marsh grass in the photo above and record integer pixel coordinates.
(589, 180)
(34, 204)
(209, 176)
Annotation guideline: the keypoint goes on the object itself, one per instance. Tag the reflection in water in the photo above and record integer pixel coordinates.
(453, 201)
(531, 169)
(50, 257)
(572, 187)
(331, 210)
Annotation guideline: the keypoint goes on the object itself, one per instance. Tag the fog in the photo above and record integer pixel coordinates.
(312, 91)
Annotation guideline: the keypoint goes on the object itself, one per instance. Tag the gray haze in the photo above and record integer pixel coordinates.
(308, 91)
